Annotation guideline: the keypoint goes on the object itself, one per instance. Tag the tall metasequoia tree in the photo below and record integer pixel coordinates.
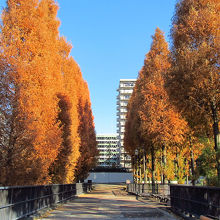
(43, 139)
(63, 169)
(30, 47)
(160, 119)
(194, 82)
(132, 136)
(133, 140)
(88, 150)
(158, 123)
(78, 150)
(60, 169)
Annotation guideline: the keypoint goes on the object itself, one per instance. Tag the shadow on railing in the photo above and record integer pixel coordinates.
(21, 201)
(196, 200)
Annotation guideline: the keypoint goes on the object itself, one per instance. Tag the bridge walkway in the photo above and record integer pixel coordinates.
(109, 202)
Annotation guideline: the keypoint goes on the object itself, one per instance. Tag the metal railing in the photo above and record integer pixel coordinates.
(21, 201)
(145, 188)
(196, 200)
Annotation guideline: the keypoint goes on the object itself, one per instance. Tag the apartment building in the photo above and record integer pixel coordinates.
(108, 150)
(124, 92)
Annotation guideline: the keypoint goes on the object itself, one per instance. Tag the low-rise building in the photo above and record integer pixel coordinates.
(108, 147)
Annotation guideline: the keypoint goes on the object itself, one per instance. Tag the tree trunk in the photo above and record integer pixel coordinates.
(10, 151)
(216, 137)
(140, 171)
(133, 166)
(163, 164)
(153, 168)
(192, 162)
(136, 172)
(137, 169)
(187, 180)
(144, 166)
(176, 163)
(192, 167)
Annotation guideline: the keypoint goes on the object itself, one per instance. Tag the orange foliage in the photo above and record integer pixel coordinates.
(160, 121)
(153, 122)
(46, 87)
(31, 49)
(88, 150)
(64, 167)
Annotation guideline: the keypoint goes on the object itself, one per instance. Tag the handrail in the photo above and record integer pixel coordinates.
(21, 201)
(196, 200)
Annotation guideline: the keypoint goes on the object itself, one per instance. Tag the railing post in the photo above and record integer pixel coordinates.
(79, 189)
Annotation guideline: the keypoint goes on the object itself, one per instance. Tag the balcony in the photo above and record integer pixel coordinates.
(122, 123)
(126, 91)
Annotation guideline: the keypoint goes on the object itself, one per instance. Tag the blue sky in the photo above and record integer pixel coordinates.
(110, 39)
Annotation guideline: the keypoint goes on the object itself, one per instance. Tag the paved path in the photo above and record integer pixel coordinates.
(108, 202)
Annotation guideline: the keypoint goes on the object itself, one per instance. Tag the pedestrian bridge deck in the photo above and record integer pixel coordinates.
(109, 202)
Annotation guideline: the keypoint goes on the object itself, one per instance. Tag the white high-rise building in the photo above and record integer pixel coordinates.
(107, 145)
(124, 92)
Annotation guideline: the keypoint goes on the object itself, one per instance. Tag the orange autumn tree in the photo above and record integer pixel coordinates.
(159, 123)
(88, 147)
(58, 169)
(63, 169)
(132, 135)
(75, 110)
(86, 130)
(44, 84)
(194, 81)
(29, 44)
(76, 155)
(133, 140)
